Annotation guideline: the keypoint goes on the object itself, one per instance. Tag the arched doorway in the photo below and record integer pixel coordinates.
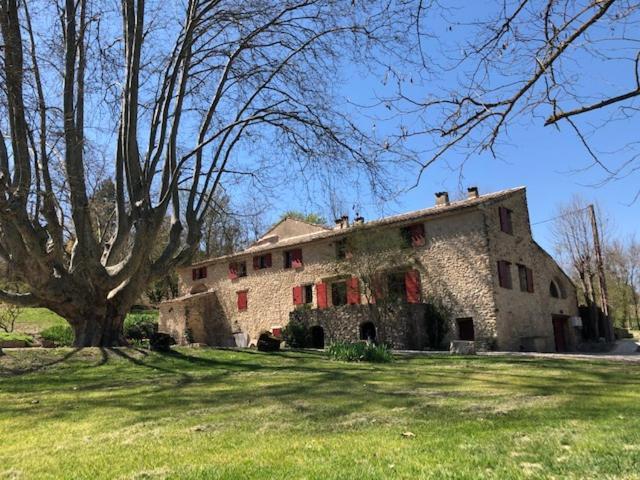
(368, 331)
(317, 337)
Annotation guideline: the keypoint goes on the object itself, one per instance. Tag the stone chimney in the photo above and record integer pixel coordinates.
(342, 222)
(359, 220)
(442, 198)
(472, 192)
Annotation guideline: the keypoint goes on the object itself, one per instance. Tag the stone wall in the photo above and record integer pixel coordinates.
(402, 326)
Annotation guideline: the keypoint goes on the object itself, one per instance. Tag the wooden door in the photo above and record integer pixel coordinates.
(559, 333)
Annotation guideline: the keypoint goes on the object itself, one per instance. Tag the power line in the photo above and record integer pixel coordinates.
(560, 216)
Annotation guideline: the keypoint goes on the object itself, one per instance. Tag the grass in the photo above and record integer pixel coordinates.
(34, 320)
(12, 336)
(214, 414)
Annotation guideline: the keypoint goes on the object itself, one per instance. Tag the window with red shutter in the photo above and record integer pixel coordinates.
(321, 294)
(296, 258)
(257, 263)
(353, 291)
(297, 295)
(199, 273)
(506, 224)
(412, 285)
(504, 274)
(242, 300)
(377, 288)
(267, 260)
(417, 235)
(262, 261)
(276, 332)
(233, 271)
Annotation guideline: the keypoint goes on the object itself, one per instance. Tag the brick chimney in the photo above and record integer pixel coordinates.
(472, 192)
(442, 198)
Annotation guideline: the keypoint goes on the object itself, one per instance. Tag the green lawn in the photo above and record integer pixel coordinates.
(34, 320)
(205, 413)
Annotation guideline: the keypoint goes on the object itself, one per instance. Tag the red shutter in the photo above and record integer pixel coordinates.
(321, 295)
(194, 274)
(417, 235)
(242, 300)
(296, 258)
(353, 291)
(276, 332)
(267, 260)
(256, 263)
(378, 288)
(529, 280)
(504, 274)
(297, 295)
(412, 285)
(233, 271)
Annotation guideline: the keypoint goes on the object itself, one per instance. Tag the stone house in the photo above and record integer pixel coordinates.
(477, 256)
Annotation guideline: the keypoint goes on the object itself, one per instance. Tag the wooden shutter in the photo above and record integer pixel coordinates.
(297, 295)
(242, 300)
(194, 274)
(417, 235)
(505, 220)
(267, 260)
(529, 280)
(412, 286)
(203, 273)
(296, 258)
(353, 291)
(321, 295)
(504, 274)
(233, 271)
(256, 263)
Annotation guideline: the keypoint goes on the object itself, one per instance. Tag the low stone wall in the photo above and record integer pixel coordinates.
(404, 326)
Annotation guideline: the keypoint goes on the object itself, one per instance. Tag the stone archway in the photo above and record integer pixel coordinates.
(317, 336)
(368, 331)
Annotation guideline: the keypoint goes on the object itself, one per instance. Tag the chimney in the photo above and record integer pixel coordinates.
(472, 192)
(442, 198)
(359, 220)
(342, 222)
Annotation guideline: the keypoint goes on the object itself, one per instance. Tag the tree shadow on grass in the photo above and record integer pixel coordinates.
(11, 372)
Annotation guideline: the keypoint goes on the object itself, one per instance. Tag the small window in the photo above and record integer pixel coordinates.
(237, 270)
(553, 290)
(293, 258)
(276, 332)
(199, 273)
(525, 276)
(242, 300)
(413, 235)
(308, 294)
(506, 224)
(262, 261)
(397, 287)
(504, 274)
(338, 293)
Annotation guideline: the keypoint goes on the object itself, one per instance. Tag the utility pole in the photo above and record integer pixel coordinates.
(604, 298)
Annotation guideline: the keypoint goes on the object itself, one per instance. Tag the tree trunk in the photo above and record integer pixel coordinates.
(99, 330)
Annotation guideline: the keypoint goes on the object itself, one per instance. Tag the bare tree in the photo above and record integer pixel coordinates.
(175, 91)
(623, 262)
(481, 71)
(575, 247)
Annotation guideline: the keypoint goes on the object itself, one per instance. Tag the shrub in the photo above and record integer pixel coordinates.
(360, 352)
(161, 342)
(140, 325)
(60, 335)
(16, 337)
(296, 334)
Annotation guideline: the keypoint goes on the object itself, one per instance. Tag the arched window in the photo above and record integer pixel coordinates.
(553, 290)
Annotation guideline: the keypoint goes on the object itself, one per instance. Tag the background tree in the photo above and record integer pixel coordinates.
(305, 217)
(623, 266)
(170, 93)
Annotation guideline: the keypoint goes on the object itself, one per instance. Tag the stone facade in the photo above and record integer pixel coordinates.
(456, 258)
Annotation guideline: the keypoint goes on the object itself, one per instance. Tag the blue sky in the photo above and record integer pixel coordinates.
(548, 161)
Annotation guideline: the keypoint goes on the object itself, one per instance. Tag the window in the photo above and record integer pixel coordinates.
(342, 249)
(353, 291)
(237, 270)
(293, 258)
(307, 294)
(276, 332)
(262, 261)
(525, 275)
(504, 274)
(303, 294)
(199, 273)
(242, 300)
(553, 290)
(321, 294)
(506, 224)
(339, 293)
(396, 287)
(413, 235)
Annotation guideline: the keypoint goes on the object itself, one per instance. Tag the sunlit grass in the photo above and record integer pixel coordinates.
(224, 414)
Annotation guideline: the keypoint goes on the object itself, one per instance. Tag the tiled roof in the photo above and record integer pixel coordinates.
(394, 219)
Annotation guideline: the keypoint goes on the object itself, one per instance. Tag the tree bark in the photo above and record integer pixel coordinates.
(98, 328)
